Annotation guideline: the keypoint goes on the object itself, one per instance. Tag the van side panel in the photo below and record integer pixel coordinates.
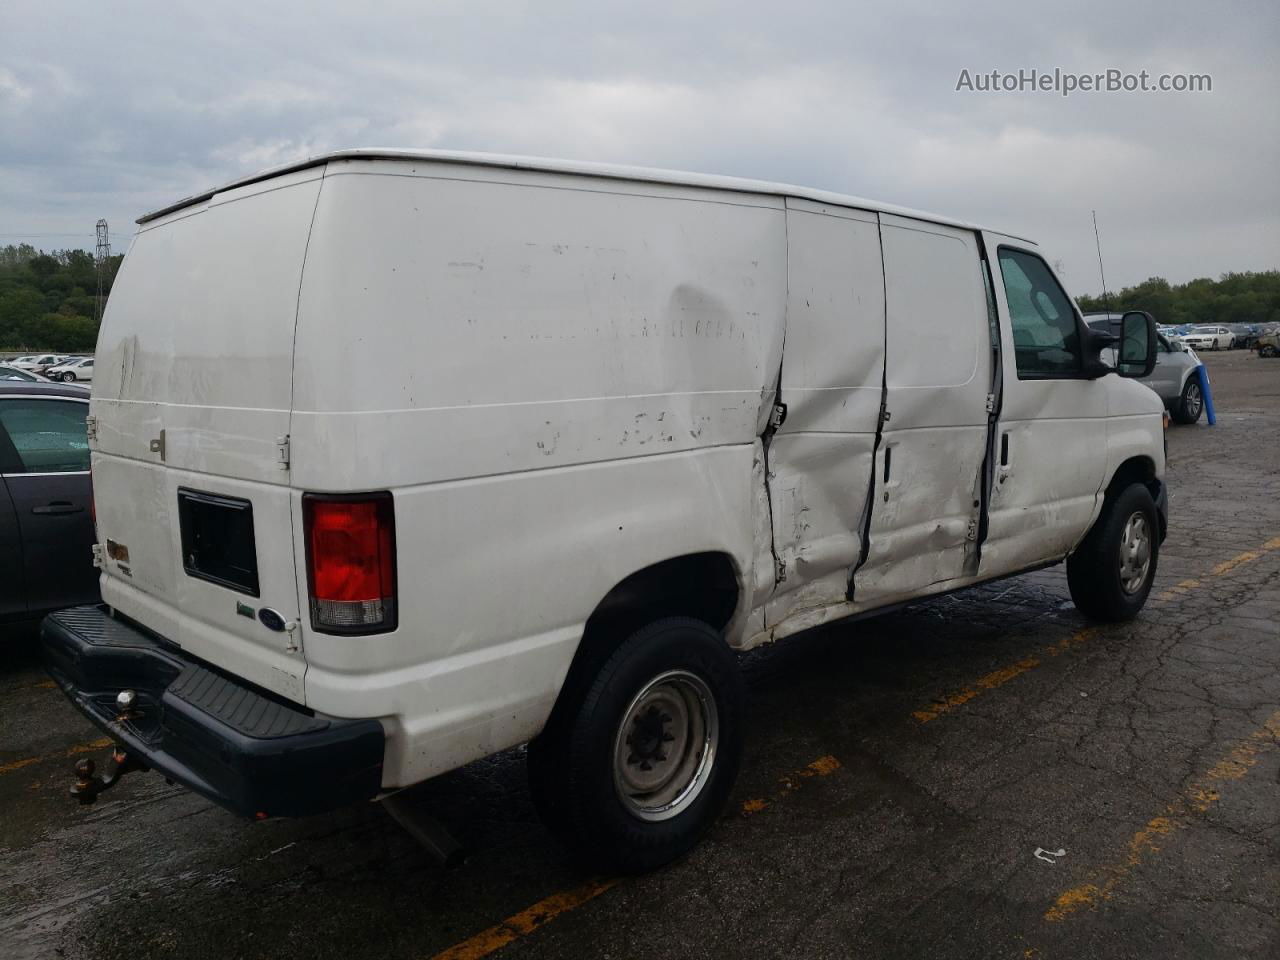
(528, 324)
(497, 577)
(562, 382)
(820, 458)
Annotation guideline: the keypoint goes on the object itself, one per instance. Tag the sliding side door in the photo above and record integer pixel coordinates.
(926, 502)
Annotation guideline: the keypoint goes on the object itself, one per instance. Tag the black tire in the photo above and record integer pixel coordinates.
(1191, 403)
(1267, 351)
(1094, 570)
(572, 762)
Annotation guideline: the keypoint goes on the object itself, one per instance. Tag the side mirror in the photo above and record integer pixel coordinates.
(1095, 341)
(1137, 349)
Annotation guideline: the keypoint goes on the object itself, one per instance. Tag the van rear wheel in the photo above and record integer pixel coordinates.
(1110, 575)
(642, 759)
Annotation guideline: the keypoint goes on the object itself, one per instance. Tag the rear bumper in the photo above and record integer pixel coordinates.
(250, 751)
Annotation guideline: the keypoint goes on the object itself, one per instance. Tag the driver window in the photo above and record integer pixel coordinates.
(1045, 339)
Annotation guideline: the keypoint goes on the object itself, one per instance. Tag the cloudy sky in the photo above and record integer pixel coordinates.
(111, 109)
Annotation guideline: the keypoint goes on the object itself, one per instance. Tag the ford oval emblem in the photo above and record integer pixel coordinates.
(271, 620)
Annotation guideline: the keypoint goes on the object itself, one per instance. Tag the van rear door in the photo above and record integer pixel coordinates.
(191, 407)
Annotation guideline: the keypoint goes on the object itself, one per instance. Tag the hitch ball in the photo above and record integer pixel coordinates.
(125, 700)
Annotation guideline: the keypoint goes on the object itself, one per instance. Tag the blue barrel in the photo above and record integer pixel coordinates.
(1203, 376)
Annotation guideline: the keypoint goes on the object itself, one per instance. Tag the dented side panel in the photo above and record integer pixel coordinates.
(820, 459)
(926, 503)
(550, 321)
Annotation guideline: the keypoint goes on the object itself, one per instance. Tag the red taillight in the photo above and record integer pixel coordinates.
(351, 562)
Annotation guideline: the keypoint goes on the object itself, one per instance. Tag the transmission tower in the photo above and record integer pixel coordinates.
(102, 255)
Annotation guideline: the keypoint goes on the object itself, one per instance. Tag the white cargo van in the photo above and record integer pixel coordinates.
(401, 459)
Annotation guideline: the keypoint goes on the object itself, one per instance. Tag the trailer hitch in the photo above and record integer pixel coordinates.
(87, 786)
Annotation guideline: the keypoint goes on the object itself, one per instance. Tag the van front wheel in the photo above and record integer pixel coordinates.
(644, 763)
(1111, 574)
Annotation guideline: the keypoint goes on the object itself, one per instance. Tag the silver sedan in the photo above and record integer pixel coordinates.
(1174, 375)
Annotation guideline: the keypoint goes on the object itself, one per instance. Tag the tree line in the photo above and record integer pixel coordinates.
(1233, 298)
(48, 300)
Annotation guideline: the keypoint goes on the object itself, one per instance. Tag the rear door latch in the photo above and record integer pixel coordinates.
(282, 452)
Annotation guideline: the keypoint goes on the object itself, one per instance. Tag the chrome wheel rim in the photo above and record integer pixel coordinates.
(665, 746)
(1193, 400)
(1135, 552)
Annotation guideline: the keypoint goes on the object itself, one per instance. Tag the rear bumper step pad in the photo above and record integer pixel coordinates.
(244, 748)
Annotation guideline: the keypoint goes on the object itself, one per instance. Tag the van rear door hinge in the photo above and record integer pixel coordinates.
(158, 445)
(972, 533)
(282, 452)
(99, 556)
(91, 427)
(884, 412)
(991, 403)
(778, 416)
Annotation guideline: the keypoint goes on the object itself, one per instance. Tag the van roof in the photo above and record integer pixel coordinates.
(581, 168)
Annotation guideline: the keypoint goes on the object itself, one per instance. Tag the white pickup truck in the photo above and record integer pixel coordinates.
(401, 459)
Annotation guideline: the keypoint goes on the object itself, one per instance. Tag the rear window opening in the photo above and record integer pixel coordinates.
(217, 540)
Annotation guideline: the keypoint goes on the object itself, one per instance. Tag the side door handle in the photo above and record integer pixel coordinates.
(57, 507)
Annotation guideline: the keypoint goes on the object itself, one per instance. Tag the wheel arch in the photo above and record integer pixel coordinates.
(1137, 469)
(706, 586)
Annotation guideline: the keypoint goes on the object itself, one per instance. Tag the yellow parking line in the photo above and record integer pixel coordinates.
(1221, 569)
(998, 678)
(18, 764)
(1198, 798)
(990, 681)
(69, 752)
(821, 767)
(525, 922)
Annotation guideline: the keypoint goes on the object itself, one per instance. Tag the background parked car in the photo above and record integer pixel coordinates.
(69, 371)
(21, 376)
(1269, 344)
(1209, 337)
(46, 527)
(38, 362)
(1246, 335)
(1173, 377)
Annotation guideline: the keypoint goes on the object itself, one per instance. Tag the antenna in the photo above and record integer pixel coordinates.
(1105, 298)
(102, 254)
